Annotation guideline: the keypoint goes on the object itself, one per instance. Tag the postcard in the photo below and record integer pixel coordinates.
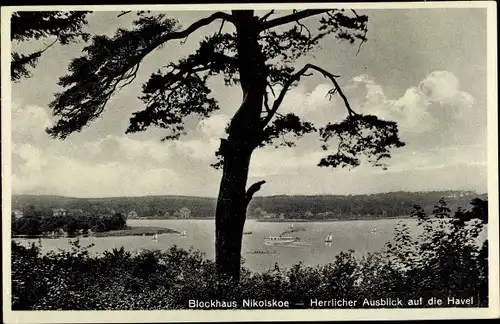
(249, 162)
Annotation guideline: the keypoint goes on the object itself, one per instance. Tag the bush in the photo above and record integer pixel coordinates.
(445, 256)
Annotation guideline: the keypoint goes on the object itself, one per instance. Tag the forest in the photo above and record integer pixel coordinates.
(382, 205)
(34, 223)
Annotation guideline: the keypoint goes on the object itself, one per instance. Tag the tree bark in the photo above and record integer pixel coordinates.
(237, 149)
(231, 214)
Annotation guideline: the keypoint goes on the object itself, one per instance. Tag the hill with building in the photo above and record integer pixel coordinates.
(373, 206)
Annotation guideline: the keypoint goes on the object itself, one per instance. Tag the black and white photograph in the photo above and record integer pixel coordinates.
(249, 162)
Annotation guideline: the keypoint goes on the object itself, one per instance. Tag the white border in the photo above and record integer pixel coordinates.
(257, 315)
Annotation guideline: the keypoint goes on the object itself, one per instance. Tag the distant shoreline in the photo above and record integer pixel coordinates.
(301, 220)
(131, 231)
(276, 220)
(138, 231)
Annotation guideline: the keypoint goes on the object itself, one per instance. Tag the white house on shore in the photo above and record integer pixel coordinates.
(59, 212)
(17, 213)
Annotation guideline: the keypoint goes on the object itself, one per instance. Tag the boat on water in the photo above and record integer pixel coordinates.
(374, 230)
(155, 237)
(262, 252)
(247, 233)
(281, 240)
(329, 239)
(183, 233)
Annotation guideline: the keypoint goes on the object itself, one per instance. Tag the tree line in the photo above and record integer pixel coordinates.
(34, 223)
(342, 207)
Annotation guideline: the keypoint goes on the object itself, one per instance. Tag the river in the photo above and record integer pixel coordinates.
(359, 236)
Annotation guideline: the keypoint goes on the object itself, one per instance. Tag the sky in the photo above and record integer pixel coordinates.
(423, 68)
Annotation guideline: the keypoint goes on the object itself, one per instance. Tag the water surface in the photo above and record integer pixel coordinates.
(356, 235)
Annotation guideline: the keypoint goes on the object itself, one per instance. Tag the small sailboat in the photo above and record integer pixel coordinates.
(183, 233)
(374, 230)
(329, 239)
(155, 237)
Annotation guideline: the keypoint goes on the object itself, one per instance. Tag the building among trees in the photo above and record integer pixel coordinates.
(17, 213)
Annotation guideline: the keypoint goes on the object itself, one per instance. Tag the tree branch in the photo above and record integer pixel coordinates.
(194, 26)
(359, 47)
(266, 102)
(200, 23)
(252, 190)
(264, 18)
(49, 46)
(123, 13)
(295, 78)
(221, 26)
(291, 18)
(272, 90)
(302, 26)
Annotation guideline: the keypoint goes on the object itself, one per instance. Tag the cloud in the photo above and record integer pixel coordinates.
(437, 158)
(283, 161)
(435, 101)
(314, 105)
(111, 165)
(200, 149)
(29, 122)
(66, 176)
(115, 165)
(214, 126)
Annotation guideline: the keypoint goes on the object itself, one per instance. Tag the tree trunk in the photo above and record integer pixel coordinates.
(237, 150)
(231, 214)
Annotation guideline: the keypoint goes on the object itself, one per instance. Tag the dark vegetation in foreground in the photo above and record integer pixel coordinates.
(445, 258)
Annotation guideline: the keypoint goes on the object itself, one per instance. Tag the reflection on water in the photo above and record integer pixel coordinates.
(199, 234)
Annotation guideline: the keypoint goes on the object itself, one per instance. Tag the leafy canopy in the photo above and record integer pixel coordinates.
(36, 25)
(179, 89)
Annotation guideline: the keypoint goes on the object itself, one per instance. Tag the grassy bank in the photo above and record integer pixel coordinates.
(138, 231)
(129, 231)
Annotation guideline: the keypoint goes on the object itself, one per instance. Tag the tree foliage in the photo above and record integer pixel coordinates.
(179, 89)
(26, 26)
(35, 222)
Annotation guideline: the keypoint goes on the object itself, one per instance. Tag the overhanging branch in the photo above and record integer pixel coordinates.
(196, 25)
(297, 77)
(291, 18)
